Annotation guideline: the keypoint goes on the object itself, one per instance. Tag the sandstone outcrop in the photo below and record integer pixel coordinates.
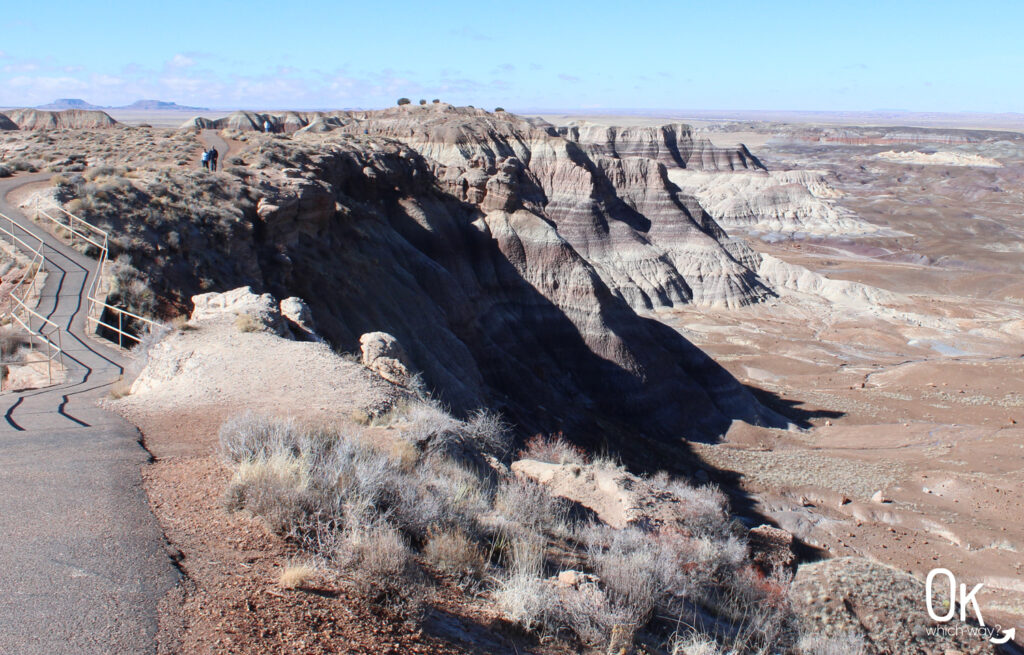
(619, 498)
(73, 119)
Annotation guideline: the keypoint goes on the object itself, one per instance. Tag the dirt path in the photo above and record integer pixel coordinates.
(83, 557)
(213, 139)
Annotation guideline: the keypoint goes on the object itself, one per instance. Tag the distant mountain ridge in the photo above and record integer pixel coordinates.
(139, 105)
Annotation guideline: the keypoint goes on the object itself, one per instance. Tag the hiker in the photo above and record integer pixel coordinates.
(206, 159)
(213, 159)
(267, 126)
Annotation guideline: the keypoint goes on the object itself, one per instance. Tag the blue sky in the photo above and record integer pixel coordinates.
(784, 55)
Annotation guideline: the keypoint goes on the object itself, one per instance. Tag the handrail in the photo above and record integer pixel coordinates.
(37, 263)
(96, 306)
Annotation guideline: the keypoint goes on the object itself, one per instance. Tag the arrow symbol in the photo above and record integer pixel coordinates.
(1007, 636)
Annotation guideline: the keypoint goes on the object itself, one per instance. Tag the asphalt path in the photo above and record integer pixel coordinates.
(83, 561)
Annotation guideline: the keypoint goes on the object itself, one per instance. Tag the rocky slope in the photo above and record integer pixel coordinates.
(606, 192)
(784, 202)
(504, 258)
(605, 189)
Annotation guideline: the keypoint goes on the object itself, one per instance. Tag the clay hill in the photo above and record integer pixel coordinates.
(68, 119)
(509, 259)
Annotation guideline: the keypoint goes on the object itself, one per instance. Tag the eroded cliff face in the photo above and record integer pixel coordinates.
(506, 258)
(491, 300)
(606, 192)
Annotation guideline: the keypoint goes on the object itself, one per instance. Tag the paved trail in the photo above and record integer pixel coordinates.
(82, 559)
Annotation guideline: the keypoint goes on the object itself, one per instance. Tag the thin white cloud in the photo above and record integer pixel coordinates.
(181, 61)
(22, 67)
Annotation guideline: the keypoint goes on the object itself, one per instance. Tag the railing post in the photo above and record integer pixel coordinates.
(119, 329)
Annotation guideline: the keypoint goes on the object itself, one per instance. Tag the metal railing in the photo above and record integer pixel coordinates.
(86, 231)
(17, 308)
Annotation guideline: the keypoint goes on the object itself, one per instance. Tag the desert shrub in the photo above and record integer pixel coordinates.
(498, 109)
(380, 562)
(441, 493)
(23, 165)
(427, 424)
(367, 505)
(120, 388)
(422, 101)
(250, 437)
(274, 488)
(403, 101)
(528, 505)
(11, 342)
(526, 599)
(129, 288)
(453, 552)
(706, 507)
(629, 563)
(436, 101)
(554, 449)
(588, 612)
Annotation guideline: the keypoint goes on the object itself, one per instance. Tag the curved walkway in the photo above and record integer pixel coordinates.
(82, 559)
(213, 139)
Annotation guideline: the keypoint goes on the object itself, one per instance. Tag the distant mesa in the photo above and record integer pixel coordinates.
(160, 105)
(139, 105)
(61, 104)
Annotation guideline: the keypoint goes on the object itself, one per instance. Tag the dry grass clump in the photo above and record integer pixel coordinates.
(121, 387)
(247, 323)
(296, 576)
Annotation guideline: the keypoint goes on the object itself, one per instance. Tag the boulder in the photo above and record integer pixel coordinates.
(382, 354)
(300, 318)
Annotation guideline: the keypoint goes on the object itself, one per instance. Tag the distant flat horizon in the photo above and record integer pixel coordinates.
(169, 113)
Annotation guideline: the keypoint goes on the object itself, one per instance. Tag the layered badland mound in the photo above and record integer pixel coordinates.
(69, 119)
(507, 258)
